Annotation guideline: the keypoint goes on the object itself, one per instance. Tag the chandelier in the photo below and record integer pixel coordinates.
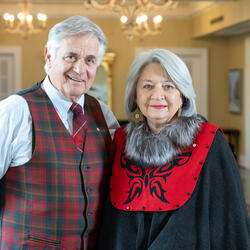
(24, 23)
(135, 14)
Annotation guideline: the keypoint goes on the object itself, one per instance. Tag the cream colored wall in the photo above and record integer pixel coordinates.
(236, 60)
(32, 54)
(233, 12)
(175, 33)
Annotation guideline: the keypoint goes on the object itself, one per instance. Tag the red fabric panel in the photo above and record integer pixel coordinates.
(159, 188)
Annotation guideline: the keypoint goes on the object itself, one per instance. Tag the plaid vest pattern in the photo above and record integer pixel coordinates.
(54, 201)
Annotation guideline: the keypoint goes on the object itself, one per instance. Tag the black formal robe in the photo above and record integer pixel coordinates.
(215, 217)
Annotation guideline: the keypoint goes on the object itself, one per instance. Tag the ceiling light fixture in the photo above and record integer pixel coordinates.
(135, 14)
(24, 23)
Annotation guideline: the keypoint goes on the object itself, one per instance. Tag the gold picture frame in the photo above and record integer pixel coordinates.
(102, 86)
(235, 91)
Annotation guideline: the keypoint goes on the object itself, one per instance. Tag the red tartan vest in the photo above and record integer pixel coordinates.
(54, 201)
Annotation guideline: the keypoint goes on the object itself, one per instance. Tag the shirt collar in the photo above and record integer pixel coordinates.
(60, 102)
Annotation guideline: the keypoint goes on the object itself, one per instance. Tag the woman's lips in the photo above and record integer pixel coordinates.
(158, 106)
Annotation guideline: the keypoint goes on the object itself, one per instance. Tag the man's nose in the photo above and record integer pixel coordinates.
(80, 66)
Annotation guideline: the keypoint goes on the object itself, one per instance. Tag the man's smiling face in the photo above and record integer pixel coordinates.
(72, 70)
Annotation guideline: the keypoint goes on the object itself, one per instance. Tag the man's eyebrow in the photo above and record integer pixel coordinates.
(71, 54)
(91, 56)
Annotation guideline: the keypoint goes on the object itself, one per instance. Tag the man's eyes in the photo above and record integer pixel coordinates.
(70, 58)
(91, 60)
(73, 58)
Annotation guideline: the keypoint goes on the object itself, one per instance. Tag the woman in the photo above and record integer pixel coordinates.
(175, 182)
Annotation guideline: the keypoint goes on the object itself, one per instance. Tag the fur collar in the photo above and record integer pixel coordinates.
(147, 149)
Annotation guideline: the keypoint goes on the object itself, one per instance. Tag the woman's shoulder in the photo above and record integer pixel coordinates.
(120, 134)
(121, 131)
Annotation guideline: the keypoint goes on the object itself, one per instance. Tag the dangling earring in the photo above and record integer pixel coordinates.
(179, 112)
(137, 116)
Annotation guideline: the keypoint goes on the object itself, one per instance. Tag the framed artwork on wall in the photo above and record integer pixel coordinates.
(102, 86)
(235, 91)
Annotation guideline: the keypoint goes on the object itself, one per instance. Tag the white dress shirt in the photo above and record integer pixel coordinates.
(16, 125)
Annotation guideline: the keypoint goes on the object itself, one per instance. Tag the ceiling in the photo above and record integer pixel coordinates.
(184, 9)
(64, 8)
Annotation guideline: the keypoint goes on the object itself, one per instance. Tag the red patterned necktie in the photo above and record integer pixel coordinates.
(79, 126)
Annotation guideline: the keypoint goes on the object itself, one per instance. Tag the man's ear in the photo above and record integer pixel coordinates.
(47, 56)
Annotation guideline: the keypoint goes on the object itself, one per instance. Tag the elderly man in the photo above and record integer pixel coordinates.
(56, 147)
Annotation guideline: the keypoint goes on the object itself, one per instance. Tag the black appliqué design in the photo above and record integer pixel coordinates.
(154, 178)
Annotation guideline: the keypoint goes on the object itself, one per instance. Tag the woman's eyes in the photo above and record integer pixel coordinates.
(147, 86)
(166, 86)
(169, 86)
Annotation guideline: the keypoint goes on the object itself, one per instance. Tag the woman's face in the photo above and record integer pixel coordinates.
(157, 96)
